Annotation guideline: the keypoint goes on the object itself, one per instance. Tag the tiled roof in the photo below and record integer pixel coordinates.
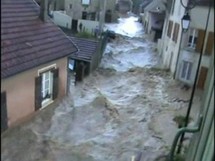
(145, 3)
(155, 4)
(86, 48)
(27, 41)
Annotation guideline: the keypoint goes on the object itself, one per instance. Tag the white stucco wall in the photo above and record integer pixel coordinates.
(61, 19)
(169, 59)
(161, 42)
(199, 18)
(194, 59)
(166, 46)
(78, 8)
(88, 26)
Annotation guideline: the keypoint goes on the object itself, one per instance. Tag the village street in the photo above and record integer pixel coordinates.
(125, 108)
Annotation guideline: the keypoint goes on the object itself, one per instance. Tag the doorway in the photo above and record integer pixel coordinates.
(74, 25)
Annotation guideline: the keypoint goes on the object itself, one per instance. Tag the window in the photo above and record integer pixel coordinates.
(46, 87)
(84, 15)
(193, 34)
(186, 70)
(85, 2)
(70, 6)
(71, 64)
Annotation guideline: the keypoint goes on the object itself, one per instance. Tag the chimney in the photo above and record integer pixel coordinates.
(44, 10)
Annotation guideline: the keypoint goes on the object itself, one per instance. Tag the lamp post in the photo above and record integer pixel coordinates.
(185, 22)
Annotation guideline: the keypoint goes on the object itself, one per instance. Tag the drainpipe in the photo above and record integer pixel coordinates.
(195, 81)
(102, 16)
(177, 60)
(101, 26)
(44, 10)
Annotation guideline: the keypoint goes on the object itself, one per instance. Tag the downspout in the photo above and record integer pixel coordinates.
(195, 81)
(177, 60)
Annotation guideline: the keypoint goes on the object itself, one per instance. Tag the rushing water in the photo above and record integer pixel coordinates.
(111, 108)
(122, 109)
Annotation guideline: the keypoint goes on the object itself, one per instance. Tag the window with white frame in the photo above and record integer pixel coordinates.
(186, 70)
(47, 86)
(85, 2)
(193, 34)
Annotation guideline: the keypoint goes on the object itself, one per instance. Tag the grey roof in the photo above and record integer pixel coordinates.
(145, 3)
(161, 4)
(86, 48)
(27, 41)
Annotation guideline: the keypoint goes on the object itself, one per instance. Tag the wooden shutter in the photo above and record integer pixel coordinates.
(4, 120)
(169, 31)
(174, 31)
(177, 31)
(210, 43)
(38, 93)
(202, 77)
(55, 83)
(200, 40)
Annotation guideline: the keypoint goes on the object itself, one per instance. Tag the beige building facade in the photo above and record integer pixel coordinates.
(180, 51)
(20, 90)
(90, 10)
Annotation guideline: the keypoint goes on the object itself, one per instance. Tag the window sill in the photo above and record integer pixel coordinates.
(190, 49)
(185, 80)
(45, 103)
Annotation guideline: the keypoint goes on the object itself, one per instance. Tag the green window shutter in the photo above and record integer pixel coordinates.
(4, 120)
(55, 83)
(210, 43)
(38, 93)
(200, 40)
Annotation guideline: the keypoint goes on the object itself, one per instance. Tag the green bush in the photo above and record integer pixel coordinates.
(85, 34)
(179, 157)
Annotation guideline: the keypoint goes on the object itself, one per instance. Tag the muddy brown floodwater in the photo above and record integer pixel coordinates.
(124, 108)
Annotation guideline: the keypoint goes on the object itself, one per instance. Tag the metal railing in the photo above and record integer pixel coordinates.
(182, 131)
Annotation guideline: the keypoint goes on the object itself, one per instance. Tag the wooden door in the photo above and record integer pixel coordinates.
(4, 124)
(202, 77)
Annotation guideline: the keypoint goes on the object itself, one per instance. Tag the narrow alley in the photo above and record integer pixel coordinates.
(124, 108)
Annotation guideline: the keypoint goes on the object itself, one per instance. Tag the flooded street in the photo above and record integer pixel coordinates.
(124, 108)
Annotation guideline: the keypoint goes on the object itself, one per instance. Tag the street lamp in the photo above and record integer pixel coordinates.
(185, 22)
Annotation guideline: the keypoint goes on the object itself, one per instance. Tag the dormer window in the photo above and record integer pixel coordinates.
(85, 2)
